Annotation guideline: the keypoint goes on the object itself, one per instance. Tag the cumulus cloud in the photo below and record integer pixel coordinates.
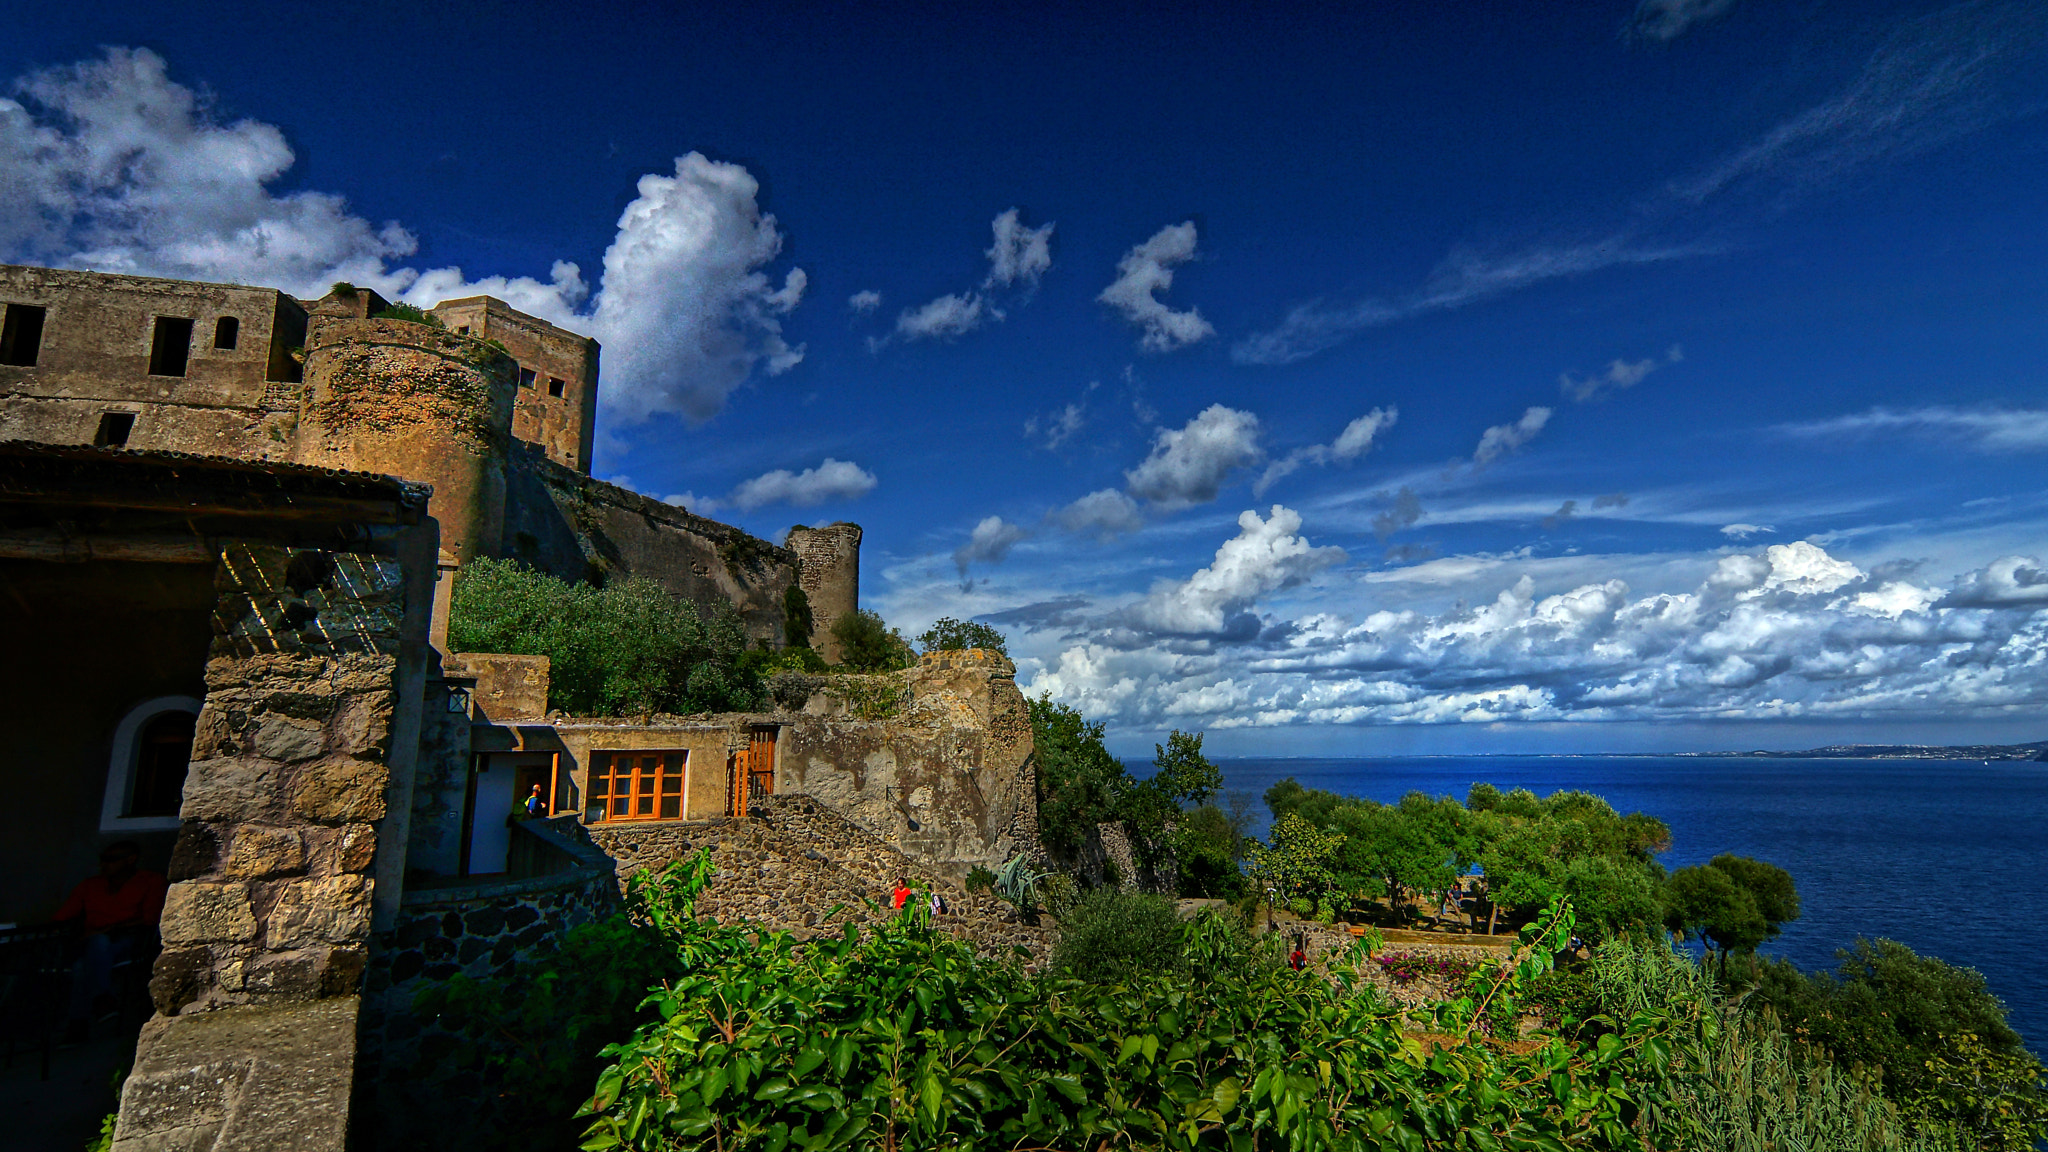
(1668, 19)
(1147, 270)
(1745, 531)
(1020, 254)
(1502, 439)
(1402, 512)
(1619, 376)
(1987, 429)
(945, 318)
(1267, 555)
(1789, 632)
(1104, 513)
(1188, 465)
(1056, 429)
(989, 543)
(111, 165)
(1355, 441)
(864, 301)
(830, 480)
(2012, 582)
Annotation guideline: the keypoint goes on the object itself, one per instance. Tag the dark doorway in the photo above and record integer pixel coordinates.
(171, 346)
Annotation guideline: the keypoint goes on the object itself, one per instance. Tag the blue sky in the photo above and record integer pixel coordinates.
(1420, 379)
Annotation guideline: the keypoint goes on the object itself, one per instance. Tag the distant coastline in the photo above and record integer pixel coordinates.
(2038, 750)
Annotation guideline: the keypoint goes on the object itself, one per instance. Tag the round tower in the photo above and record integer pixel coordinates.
(828, 570)
(419, 403)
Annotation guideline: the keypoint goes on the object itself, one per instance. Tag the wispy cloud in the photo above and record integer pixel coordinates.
(1929, 82)
(989, 543)
(864, 301)
(1619, 376)
(1502, 439)
(831, 480)
(1019, 255)
(1668, 19)
(1990, 429)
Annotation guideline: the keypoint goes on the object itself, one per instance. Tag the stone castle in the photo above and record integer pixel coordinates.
(229, 520)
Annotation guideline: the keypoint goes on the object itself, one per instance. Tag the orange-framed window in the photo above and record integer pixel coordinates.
(643, 784)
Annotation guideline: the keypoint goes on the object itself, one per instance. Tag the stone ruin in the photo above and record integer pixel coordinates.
(228, 522)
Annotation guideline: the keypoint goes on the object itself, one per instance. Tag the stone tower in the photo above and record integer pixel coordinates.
(828, 570)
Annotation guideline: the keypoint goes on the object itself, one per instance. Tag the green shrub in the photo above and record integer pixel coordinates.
(980, 879)
(796, 617)
(1112, 936)
(629, 648)
(404, 311)
(949, 635)
(868, 644)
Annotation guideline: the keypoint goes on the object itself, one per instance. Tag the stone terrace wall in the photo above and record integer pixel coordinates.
(794, 861)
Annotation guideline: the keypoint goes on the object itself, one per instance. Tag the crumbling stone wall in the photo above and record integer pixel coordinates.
(946, 777)
(829, 560)
(797, 866)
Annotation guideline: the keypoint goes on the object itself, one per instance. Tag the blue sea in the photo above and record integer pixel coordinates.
(1948, 857)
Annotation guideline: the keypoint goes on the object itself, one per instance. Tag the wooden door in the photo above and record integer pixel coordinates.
(761, 765)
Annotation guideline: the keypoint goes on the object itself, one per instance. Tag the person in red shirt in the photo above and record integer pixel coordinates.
(115, 914)
(901, 894)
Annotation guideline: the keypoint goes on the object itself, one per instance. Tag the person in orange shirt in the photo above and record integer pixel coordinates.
(115, 914)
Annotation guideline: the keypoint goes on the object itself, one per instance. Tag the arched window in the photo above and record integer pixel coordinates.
(146, 778)
(226, 332)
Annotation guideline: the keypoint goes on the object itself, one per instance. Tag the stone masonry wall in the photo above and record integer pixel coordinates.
(797, 866)
(270, 894)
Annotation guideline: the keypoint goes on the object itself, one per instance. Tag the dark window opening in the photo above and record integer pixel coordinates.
(556, 386)
(162, 755)
(21, 335)
(526, 377)
(464, 330)
(226, 331)
(114, 429)
(170, 347)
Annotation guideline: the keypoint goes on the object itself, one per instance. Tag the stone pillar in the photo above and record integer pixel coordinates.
(828, 570)
(267, 923)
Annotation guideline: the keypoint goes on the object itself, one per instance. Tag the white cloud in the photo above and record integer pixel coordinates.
(1668, 19)
(108, 164)
(1989, 429)
(1056, 429)
(1619, 376)
(1147, 270)
(1188, 465)
(1103, 513)
(1745, 531)
(830, 480)
(1265, 556)
(685, 313)
(989, 543)
(1353, 442)
(1789, 632)
(1504, 438)
(864, 301)
(1020, 253)
(945, 318)
(2012, 582)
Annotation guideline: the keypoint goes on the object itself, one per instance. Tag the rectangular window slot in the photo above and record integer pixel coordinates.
(170, 347)
(114, 429)
(226, 332)
(526, 377)
(556, 386)
(21, 335)
(464, 330)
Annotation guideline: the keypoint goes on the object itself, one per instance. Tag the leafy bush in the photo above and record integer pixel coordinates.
(905, 1040)
(949, 635)
(868, 644)
(1080, 784)
(1112, 936)
(404, 311)
(628, 648)
(1732, 901)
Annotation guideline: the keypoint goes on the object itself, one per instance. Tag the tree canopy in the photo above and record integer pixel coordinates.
(628, 648)
(949, 635)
